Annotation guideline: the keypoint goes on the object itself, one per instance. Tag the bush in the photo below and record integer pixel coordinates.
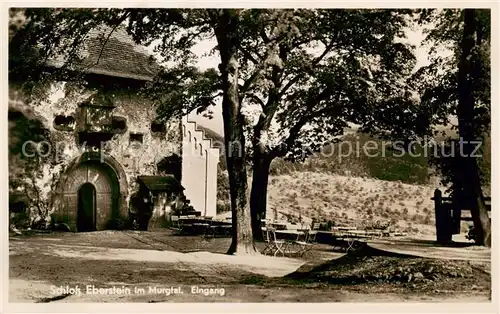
(20, 219)
(223, 207)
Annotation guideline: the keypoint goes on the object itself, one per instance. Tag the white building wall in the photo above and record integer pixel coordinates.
(199, 169)
(213, 162)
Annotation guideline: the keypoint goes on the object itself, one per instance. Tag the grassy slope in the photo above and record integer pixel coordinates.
(352, 200)
(354, 190)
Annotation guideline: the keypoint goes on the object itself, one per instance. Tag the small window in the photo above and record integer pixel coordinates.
(136, 138)
(119, 124)
(64, 123)
(158, 127)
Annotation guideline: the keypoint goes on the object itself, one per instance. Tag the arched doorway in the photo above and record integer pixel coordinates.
(86, 215)
(111, 191)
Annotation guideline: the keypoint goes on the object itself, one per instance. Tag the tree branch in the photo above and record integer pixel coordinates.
(313, 63)
(248, 55)
(295, 129)
(248, 83)
(257, 99)
(264, 36)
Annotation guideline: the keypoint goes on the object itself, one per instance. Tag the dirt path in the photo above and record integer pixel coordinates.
(54, 268)
(264, 265)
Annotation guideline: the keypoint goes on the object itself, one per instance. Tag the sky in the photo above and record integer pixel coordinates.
(414, 36)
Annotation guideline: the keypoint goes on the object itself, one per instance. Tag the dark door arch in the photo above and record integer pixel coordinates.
(86, 216)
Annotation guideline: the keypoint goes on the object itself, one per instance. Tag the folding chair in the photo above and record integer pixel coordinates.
(210, 231)
(304, 244)
(267, 240)
(272, 243)
(338, 241)
(350, 241)
(311, 236)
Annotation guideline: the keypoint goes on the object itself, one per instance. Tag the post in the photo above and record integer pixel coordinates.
(443, 219)
(456, 215)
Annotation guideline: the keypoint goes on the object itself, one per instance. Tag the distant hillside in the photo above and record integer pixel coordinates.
(352, 201)
(348, 157)
(405, 169)
(384, 164)
(211, 134)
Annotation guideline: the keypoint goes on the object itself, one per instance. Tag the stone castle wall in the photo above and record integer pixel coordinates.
(134, 158)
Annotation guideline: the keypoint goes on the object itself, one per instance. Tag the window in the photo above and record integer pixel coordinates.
(158, 127)
(136, 138)
(119, 125)
(97, 113)
(64, 123)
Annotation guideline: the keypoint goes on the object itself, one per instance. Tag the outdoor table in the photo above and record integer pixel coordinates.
(349, 237)
(304, 245)
(218, 227)
(360, 233)
(344, 228)
(290, 232)
(200, 226)
(278, 225)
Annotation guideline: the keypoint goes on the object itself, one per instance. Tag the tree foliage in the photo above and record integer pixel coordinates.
(459, 85)
(28, 161)
(294, 79)
(438, 84)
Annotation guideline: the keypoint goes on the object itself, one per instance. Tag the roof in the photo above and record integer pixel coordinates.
(116, 56)
(161, 183)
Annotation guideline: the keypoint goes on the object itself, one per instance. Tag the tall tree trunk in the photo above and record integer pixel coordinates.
(262, 157)
(226, 31)
(258, 195)
(465, 113)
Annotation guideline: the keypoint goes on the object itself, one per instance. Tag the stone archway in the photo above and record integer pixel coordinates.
(111, 191)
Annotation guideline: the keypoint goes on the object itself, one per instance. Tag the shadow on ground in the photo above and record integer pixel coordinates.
(368, 274)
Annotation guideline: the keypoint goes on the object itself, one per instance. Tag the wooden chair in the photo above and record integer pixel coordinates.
(311, 236)
(273, 245)
(267, 240)
(304, 243)
(316, 226)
